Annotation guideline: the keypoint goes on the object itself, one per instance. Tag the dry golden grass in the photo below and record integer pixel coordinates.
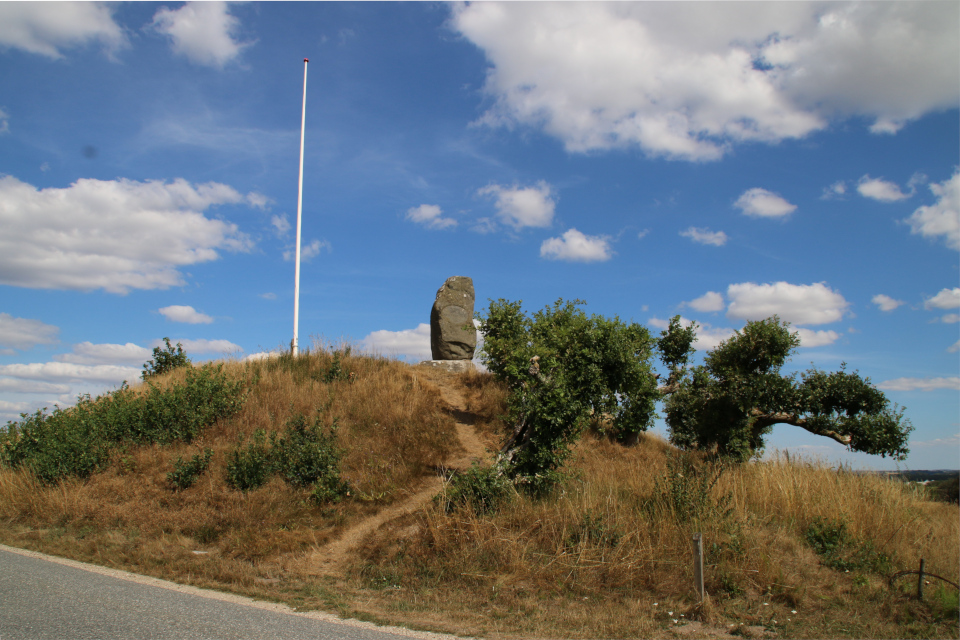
(604, 556)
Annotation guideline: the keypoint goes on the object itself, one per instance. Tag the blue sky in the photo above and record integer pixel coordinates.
(721, 161)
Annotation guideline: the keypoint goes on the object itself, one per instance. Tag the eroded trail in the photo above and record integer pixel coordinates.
(328, 558)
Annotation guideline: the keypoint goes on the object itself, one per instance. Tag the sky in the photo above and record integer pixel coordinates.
(721, 161)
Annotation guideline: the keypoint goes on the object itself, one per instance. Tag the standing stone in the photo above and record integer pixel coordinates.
(452, 334)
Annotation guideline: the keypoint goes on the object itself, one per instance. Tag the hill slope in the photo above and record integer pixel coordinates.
(793, 549)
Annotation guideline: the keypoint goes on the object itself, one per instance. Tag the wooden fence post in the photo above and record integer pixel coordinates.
(698, 564)
(920, 582)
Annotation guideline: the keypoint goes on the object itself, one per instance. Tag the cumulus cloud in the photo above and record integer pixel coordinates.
(204, 346)
(795, 303)
(187, 314)
(414, 344)
(204, 32)
(9, 385)
(810, 338)
(430, 216)
(309, 252)
(4, 122)
(702, 235)
(522, 207)
(708, 336)
(946, 299)
(880, 189)
(94, 354)
(690, 84)
(943, 217)
(761, 203)
(47, 28)
(950, 318)
(70, 372)
(24, 333)
(955, 347)
(921, 384)
(710, 301)
(885, 303)
(574, 246)
(114, 235)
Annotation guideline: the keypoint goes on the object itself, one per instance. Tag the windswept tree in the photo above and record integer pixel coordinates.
(562, 367)
(730, 403)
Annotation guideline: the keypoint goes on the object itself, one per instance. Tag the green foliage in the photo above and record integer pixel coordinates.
(731, 402)
(249, 467)
(561, 367)
(305, 456)
(841, 551)
(594, 530)
(947, 490)
(79, 441)
(685, 491)
(165, 360)
(336, 371)
(185, 473)
(485, 489)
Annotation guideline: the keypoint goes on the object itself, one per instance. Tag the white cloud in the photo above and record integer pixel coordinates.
(708, 336)
(946, 299)
(70, 372)
(921, 384)
(761, 203)
(187, 314)
(950, 318)
(880, 189)
(93, 354)
(950, 442)
(10, 385)
(885, 302)
(281, 223)
(114, 235)
(204, 346)
(954, 347)
(203, 32)
(702, 235)
(412, 343)
(710, 301)
(522, 207)
(4, 122)
(835, 191)
(430, 216)
(689, 84)
(308, 252)
(810, 338)
(795, 303)
(943, 217)
(574, 246)
(23, 333)
(46, 28)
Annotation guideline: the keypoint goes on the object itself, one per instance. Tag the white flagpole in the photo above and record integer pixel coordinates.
(296, 283)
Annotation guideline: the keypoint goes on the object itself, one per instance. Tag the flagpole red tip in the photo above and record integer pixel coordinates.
(306, 59)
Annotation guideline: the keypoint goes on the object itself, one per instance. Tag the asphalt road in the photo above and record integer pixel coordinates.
(47, 598)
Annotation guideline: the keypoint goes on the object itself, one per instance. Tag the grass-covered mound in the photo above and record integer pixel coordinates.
(237, 488)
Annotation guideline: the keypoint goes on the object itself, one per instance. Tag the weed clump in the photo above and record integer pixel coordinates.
(484, 488)
(185, 472)
(841, 551)
(305, 456)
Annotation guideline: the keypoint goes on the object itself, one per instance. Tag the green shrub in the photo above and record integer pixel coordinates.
(185, 473)
(685, 490)
(841, 551)
(594, 530)
(249, 467)
(486, 489)
(306, 455)
(165, 360)
(78, 441)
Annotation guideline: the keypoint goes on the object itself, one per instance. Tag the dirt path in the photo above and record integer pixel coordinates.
(327, 559)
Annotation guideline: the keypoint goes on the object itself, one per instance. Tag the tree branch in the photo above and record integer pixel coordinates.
(762, 420)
